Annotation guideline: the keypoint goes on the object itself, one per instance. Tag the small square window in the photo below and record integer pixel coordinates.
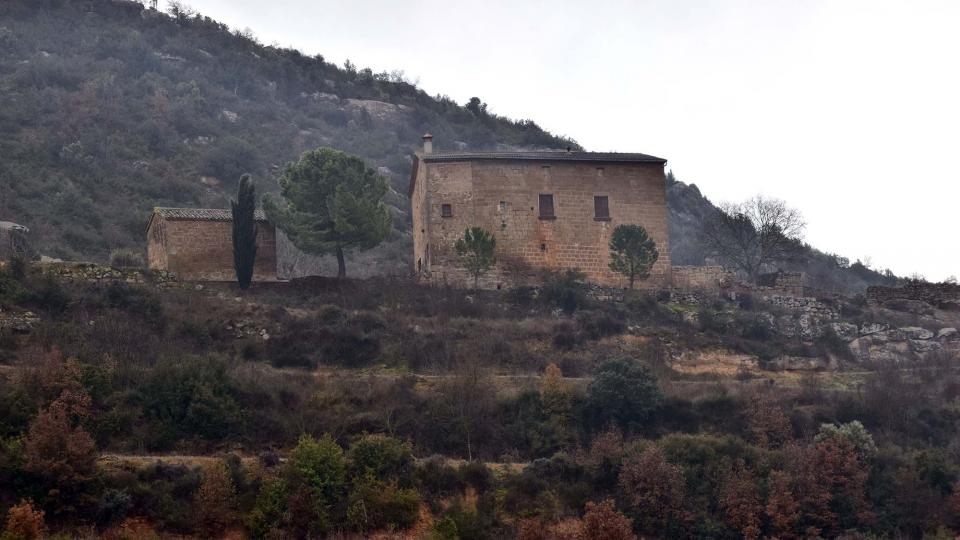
(446, 210)
(546, 206)
(601, 208)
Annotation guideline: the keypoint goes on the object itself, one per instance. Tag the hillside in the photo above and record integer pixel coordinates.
(102, 121)
(128, 409)
(108, 109)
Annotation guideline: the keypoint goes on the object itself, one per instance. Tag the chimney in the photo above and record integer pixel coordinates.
(427, 143)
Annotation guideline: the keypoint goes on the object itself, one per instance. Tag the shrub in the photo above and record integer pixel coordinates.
(348, 347)
(566, 336)
(215, 500)
(381, 456)
(126, 258)
(189, 398)
(830, 343)
(599, 324)
(374, 504)
(564, 290)
(137, 300)
(316, 481)
(331, 315)
(113, 506)
(24, 522)
(45, 293)
(603, 522)
(623, 392)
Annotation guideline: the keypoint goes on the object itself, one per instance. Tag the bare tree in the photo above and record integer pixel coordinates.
(754, 233)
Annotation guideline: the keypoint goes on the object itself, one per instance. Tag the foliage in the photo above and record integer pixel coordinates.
(376, 504)
(189, 398)
(632, 252)
(244, 231)
(767, 420)
(24, 523)
(565, 289)
(852, 431)
(316, 479)
(382, 457)
(624, 393)
(475, 251)
(740, 501)
(654, 491)
(215, 500)
(59, 450)
(332, 202)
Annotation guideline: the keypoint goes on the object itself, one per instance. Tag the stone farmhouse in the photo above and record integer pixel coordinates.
(196, 244)
(547, 210)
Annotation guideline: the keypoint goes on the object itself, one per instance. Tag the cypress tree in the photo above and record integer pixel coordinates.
(244, 231)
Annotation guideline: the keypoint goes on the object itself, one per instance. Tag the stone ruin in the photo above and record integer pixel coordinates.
(14, 241)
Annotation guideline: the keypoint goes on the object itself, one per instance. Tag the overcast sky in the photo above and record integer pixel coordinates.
(847, 109)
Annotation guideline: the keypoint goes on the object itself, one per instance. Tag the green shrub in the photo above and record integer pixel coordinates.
(623, 392)
(189, 398)
(381, 456)
(137, 300)
(599, 324)
(565, 290)
(374, 504)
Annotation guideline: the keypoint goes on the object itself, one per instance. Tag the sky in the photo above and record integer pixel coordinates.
(849, 110)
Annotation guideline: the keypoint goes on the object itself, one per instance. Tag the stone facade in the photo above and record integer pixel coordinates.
(504, 193)
(196, 244)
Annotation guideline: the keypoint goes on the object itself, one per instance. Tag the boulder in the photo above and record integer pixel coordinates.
(872, 328)
(924, 346)
(845, 331)
(948, 334)
(915, 332)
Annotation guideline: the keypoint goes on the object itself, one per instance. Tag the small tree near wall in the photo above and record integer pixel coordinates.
(632, 252)
(244, 231)
(475, 251)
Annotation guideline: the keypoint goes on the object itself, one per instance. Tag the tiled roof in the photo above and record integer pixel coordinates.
(558, 155)
(202, 214)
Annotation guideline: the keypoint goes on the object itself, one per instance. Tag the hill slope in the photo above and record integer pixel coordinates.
(108, 109)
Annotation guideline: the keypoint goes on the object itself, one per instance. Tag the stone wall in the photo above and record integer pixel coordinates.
(95, 273)
(718, 278)
(703, 278)
(939, 295)
(503, 197)
(202, 250)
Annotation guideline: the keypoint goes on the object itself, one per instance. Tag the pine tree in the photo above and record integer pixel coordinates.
(333, 202)
(632, 252)
(244, 231)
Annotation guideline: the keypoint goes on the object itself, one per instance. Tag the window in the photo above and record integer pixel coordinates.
(446, 210)
(601, 208)
(546, 207)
